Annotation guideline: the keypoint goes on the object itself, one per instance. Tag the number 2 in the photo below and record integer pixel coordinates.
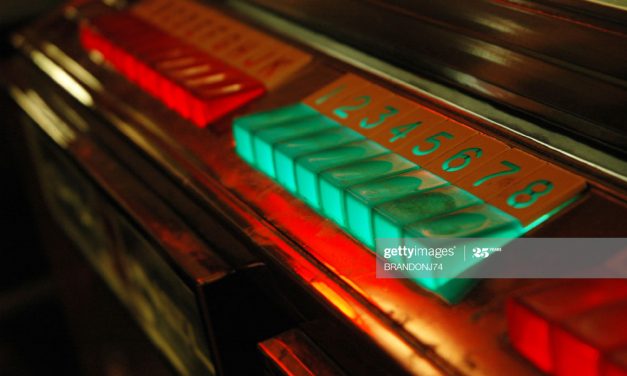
(341, 111)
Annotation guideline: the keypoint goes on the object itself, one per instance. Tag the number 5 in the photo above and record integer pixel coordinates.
(435, 141)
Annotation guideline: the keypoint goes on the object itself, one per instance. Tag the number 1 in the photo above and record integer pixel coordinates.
(330, 95)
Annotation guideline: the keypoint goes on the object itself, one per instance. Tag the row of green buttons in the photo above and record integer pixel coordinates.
(363, 187)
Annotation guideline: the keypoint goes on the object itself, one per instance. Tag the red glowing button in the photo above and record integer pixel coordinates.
(578, 345)
(531, 317)
(187, 80)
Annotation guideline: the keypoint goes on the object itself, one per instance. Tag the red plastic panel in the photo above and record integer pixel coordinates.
(615, 363)
(578, 345)
(197, 86)
(263, 57)
(532, 318)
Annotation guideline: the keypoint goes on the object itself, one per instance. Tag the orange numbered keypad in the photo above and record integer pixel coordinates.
(478, 149)
(395, 119)
(539, 193)
(335, 94)
(489, 179)
(510, 179)
(431, 142)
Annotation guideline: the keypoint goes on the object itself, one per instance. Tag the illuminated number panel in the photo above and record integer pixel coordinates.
(382, 166)
(203, 69)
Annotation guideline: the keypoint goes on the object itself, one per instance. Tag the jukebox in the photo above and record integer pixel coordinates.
(232, 170)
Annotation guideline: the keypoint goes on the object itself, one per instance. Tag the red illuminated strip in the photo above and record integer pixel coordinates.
(570, 329)
(265, 58)
(197, 86)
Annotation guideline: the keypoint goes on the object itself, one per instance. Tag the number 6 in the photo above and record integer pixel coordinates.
(465, 156)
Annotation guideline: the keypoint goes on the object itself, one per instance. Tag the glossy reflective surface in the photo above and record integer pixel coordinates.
(421, 334)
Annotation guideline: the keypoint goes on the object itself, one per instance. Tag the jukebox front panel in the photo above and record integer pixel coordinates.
(130, 264)
(308, 161)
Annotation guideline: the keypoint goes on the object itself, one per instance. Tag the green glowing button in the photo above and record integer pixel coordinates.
(285, 153)
(333, 183)
(476, 221)
(390, 217)
(265, 139)
(309, 166)
(362, 198)
(456, 231)
(244, 127)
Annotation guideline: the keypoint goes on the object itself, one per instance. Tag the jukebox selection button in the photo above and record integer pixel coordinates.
(198, 61)
(334, 182)
(391, 217)
(474, 221)
(539, 193)
(310, 166)
(393, 132)
(285, 153)
(383, 109)
(532, 318)
(489, 179)
(265, 139)
(260, 56)
(361, 199)
(284, 62)
(427, 144)
(357, 105)
(242, 50)
(244, 127)
(194, 84)
(615, 363)
(333, 95)
(472, 152)
(580, 342)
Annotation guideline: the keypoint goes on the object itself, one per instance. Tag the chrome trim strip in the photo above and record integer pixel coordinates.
(570, 148)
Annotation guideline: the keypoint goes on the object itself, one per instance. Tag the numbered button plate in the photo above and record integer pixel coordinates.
(489, 179)
(416, 175)
(429, 143)
(539, 193)
(335, 94)
(477, 150)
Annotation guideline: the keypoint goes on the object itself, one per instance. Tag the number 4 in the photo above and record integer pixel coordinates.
(403, 130)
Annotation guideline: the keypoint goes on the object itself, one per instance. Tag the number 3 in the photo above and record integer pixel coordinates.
(391, 112)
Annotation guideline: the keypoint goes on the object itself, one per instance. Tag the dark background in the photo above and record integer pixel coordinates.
(34, 335)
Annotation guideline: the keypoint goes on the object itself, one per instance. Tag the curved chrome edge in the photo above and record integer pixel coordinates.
(568, 147)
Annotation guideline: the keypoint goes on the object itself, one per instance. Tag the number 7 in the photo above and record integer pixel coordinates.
(512, 170)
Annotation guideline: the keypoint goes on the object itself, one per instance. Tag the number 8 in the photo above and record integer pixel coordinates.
(529, 191)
